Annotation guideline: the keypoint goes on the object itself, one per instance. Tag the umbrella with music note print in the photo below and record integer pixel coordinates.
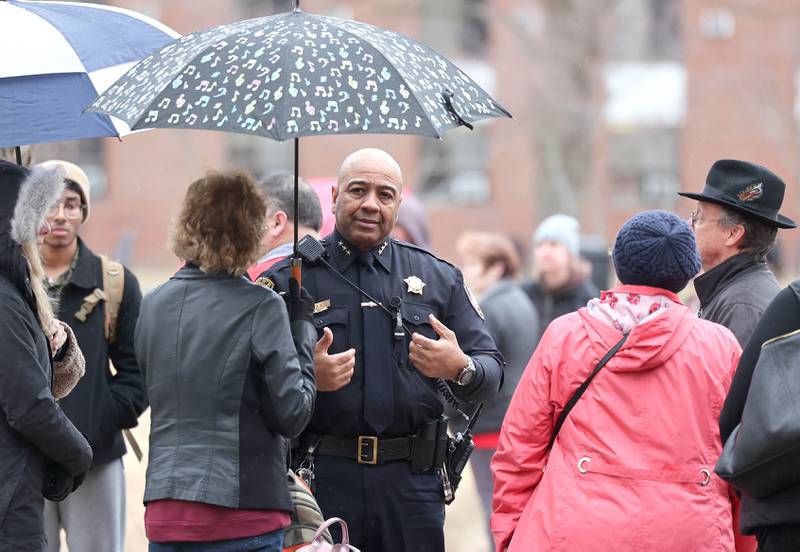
(298, 74)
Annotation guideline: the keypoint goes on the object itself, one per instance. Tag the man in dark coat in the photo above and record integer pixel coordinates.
(491, 264)
(562, 283)
(33, 429)
(104, 402)
(736, 222)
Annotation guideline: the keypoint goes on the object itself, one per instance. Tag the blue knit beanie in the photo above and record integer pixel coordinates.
(656, 248)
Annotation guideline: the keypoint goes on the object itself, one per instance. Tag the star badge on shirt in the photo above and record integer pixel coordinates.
(415, 284)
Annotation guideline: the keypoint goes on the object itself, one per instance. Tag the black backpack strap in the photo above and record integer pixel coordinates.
(582, 389)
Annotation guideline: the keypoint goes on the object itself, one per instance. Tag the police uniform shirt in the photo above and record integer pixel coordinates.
(425, 285)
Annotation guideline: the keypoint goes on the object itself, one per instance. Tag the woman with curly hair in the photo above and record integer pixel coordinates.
(229, 376)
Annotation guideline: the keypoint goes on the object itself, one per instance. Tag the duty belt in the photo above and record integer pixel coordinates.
(366, 449)
(424, 451)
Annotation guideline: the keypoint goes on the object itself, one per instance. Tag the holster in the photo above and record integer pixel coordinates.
(430, 446)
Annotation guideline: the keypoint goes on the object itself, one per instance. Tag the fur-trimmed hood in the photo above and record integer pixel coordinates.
(38, 192)
(25, 196)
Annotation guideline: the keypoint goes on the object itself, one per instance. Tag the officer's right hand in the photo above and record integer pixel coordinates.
(333, 371)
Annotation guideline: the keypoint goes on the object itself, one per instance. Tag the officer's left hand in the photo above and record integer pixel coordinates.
(437, 358)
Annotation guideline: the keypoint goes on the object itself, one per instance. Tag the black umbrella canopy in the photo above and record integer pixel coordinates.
(298, 74)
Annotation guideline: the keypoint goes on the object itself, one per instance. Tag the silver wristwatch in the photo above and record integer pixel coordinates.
(467, 373)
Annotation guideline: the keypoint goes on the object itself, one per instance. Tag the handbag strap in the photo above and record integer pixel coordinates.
(327, 524)
(582, 389)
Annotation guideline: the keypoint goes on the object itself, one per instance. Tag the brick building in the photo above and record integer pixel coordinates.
(617, 105)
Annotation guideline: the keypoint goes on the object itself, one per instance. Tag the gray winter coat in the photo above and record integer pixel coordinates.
(227, 381)
(513, 323)
(735, 293)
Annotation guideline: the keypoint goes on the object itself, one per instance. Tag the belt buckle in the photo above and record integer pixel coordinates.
(367, 455)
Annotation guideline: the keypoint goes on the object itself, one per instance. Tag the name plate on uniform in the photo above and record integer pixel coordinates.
(322, 306)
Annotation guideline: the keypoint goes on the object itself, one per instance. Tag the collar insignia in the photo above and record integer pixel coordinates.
(415, 284)
(752, 192)
(382, 247)
(344, 248)
(322, 306)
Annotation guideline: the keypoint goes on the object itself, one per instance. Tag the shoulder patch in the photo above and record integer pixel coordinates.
(473, 302)
(265, 282)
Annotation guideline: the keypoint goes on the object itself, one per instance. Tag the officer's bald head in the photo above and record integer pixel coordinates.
(367, 197)
(370, 160)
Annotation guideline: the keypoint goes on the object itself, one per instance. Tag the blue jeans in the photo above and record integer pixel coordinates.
(269, 542)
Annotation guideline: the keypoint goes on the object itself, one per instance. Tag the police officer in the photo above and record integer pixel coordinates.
(376, 440)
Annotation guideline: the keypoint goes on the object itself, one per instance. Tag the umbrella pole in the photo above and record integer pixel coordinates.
(18, 152)
(296, 262)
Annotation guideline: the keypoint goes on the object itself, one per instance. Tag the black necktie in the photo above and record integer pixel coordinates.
(377, 341)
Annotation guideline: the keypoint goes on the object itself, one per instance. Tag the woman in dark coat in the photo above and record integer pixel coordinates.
(490, 265)
(36, 438)
(775, 519)
(229, 376)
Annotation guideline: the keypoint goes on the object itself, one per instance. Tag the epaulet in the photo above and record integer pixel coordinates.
(277, 267)
(421, 250)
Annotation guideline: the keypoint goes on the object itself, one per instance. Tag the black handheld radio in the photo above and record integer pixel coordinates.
(459, 449)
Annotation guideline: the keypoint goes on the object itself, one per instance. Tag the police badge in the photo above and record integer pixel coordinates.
(415, 284)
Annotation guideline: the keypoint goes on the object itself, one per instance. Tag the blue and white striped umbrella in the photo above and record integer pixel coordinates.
(57, 57)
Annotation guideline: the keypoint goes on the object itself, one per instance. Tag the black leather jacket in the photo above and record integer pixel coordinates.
(227, 381)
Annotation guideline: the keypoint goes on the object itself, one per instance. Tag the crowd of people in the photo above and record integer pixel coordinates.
(597, 417)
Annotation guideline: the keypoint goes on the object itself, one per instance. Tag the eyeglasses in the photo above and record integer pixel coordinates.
(72, 209)
(694, 218)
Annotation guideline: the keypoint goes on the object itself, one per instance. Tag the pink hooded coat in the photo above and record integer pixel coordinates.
(632, 468)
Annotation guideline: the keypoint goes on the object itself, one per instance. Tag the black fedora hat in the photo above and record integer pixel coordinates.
(746, 188)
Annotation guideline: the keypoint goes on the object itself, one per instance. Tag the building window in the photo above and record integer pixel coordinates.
(474, 33)
(644, 111)
(455, 28)
(260, 156)
(455, 169)
(717, 24)
(646, 30)
(643, 168)
(644, 94)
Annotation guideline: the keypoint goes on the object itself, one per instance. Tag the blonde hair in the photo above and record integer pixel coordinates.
(44, 304)
(221, 223)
